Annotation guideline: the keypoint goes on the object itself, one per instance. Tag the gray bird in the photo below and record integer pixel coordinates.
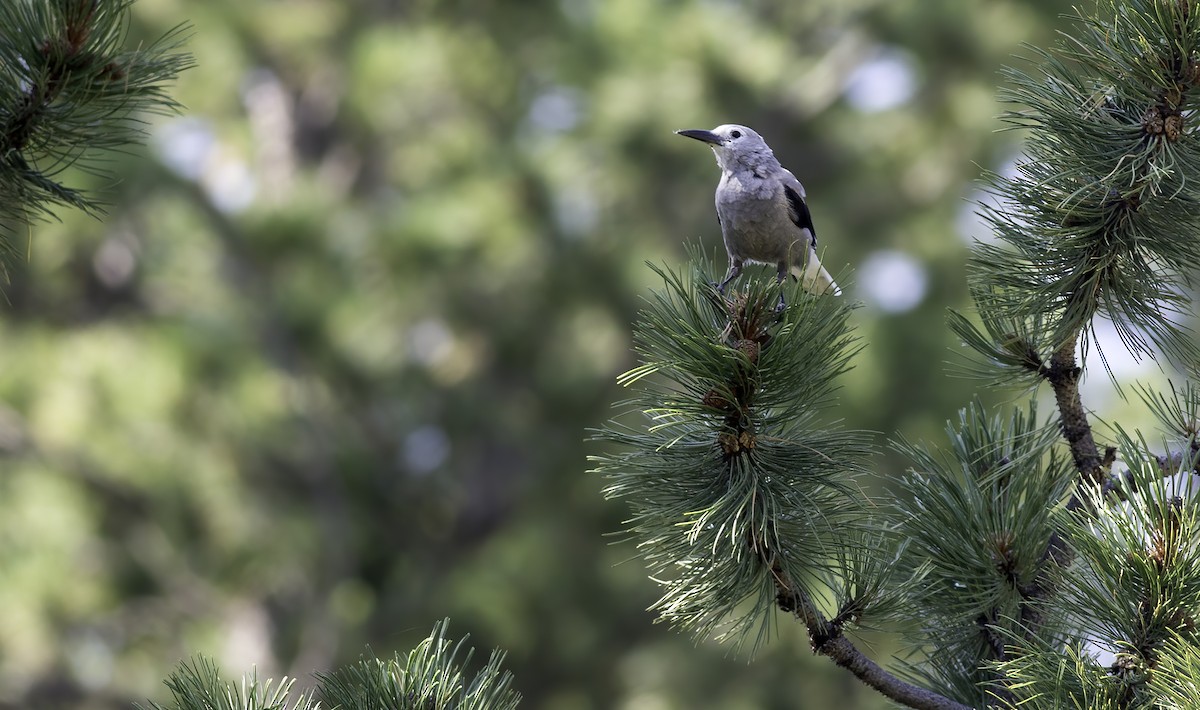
(761, 208)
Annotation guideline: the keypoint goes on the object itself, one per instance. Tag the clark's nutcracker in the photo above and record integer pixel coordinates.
(761, 209)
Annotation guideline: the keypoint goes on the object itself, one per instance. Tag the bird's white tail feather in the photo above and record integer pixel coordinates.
(813, 277)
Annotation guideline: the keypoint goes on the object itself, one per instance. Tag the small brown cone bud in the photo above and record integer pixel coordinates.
(714, 400)
(1152, 121)
(729, 443)
(749, 348)
(1173, 127)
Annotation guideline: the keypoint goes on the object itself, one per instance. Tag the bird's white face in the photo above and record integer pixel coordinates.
(732, 143)
(733, 135)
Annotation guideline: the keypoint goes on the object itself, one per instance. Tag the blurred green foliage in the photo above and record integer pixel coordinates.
(322, 374)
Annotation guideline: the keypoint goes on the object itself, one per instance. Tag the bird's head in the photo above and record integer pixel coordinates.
(734, 145)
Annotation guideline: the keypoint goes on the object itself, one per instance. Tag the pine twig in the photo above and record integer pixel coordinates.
(63, 56)
(70, 90)
(1063, 375)
(62, 53)
(827, 639)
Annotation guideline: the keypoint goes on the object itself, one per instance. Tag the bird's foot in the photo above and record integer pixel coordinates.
(781, 305)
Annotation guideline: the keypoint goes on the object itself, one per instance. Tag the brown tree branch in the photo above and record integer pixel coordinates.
(1063, 375)
(828, 640)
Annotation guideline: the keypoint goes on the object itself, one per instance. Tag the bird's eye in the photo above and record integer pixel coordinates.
(736, 134)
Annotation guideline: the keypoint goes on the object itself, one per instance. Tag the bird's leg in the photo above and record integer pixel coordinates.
(735, 270)
(781, 273)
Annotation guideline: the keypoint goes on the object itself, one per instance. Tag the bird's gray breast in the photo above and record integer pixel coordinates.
(755, 222)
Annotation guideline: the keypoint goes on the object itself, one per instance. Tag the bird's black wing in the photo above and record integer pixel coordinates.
(798, 211)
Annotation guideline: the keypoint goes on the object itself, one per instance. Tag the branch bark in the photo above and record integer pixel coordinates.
(828, 640)
(1063, 375)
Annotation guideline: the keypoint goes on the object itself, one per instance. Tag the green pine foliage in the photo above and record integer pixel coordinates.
(71, 89)
(1100, 220)
(740, 492)
(1014, 349)
(995, 486)
(1179, 415)
(430, 677)
(1094, 221)
(1176, 684)
(1029, 577)
(198, 686)
(1026, 577)
(1128, 602)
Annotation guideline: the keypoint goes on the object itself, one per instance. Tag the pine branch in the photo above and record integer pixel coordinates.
(1063, 376)
(827, 639)
(198, 686)
(1101, 218)
(1179, 414)
(739, 496)
(723, 452)
(1178, 679)
(1013, 350)
(431, 676)
(69, 90)
(1131, 595)
(994, 486)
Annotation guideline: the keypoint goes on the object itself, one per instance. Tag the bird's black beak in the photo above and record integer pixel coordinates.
(702, 135)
